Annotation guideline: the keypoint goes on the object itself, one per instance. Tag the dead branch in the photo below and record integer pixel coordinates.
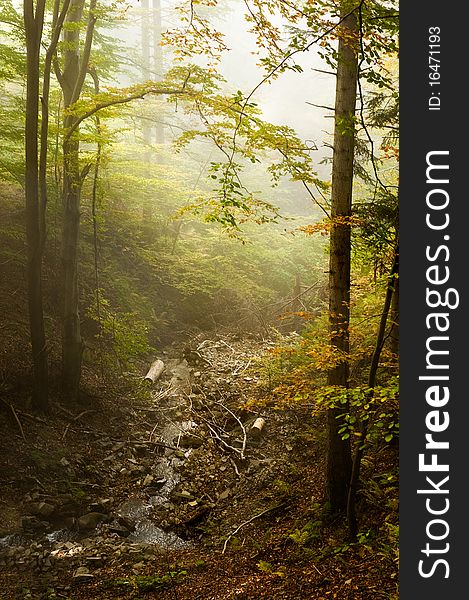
(16, 417)
(247, 523)
(76, 418)
(236, 372)
(228, 346)
(243, 429)
(235, 467)
(222, 441)
(152, 432)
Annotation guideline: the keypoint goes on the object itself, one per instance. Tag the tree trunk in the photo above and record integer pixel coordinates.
(147, 212)
(71, 81)
(72, 343)
(58, 18)
(157, 61)
(33, 27)
(394, 335)
(380, 339)
(339, 462)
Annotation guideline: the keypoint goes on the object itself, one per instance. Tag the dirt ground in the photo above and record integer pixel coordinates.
(243, 517)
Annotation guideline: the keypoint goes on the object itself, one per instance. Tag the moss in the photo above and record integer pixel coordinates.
(150, 583)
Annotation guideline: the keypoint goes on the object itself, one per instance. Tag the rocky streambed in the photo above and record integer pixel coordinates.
(129, 499)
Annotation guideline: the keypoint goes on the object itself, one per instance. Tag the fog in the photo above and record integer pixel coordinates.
(293, 99)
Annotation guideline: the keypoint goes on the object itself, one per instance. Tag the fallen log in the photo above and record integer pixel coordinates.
(155, 371)
(257, 426)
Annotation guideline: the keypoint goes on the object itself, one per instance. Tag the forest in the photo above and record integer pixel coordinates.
(199, 299)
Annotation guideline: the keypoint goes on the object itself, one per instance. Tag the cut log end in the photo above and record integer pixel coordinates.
(155, 371)
(257, 427)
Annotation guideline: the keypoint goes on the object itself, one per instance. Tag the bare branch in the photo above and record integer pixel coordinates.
(247, 523)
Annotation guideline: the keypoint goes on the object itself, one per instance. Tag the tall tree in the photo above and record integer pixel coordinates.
(58, 18)
(157, 61)
(34, 23)
(71, 79)
(339, 461)
(146, 125)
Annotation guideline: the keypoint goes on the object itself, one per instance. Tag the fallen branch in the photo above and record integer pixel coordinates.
(243, 429)
(236, 372)
(16, 418)
(235, 467)
(247, 523)
(228, 346)
(82, 414)
(161, 445)
(217, 437)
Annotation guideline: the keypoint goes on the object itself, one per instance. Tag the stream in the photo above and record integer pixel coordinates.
(136, 511)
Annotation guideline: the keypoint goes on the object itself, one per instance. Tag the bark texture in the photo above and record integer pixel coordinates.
(33, 21)
(76, 60)
(339, 462)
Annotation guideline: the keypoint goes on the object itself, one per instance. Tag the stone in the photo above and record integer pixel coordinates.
(30, 523)
(41, 509)
(119, 530)
(148, 480)
(91, 520)
(191, 441)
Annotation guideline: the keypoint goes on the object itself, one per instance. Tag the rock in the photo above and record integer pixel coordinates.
(155, 487)
(69, 508)
(148, 480)
(119, 530)
(91, 520)
(191, 441)
(31, 524)
(69, 522)
(126, 521)
(118, 446)
(40, 509)
(140, 450)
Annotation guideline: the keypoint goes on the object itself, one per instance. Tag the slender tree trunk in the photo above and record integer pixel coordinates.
(58, 18)
(394, 335)
(157, 60)
(296, 304)
(33, 27)
(380, 339)
(72, 80)
(339, 462)
(147, 212)
(94, 209)
(72, 343)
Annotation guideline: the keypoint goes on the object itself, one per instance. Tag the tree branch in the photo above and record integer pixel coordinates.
(86, 53)
(116, 102)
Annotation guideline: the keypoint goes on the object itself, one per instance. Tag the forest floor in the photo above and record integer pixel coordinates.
(163, 491)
